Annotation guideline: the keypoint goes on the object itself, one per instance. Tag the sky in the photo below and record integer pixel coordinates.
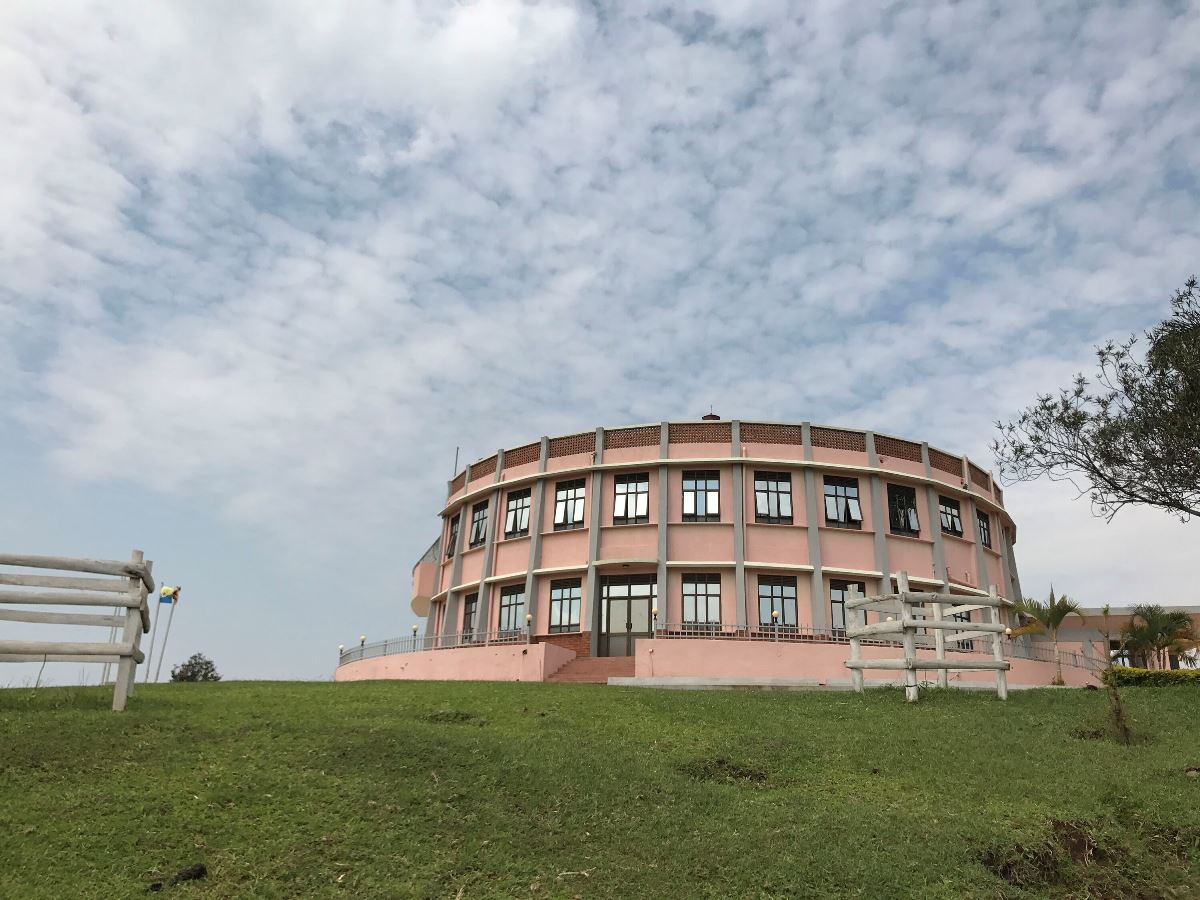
(266, 265)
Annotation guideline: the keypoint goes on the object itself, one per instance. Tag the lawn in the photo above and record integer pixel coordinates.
(391, 789)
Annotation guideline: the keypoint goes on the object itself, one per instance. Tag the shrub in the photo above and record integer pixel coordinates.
(1122, 676)
(198, 668)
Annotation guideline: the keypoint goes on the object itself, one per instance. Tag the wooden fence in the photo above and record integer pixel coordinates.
(124, 594)
(904, 612)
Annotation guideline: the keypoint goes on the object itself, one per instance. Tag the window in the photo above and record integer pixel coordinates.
(777, 594)
(568, 505)
(631, 502)
(985, 529)
(842, 509)
(1118, 653)
(701, 497)
(516, 516)
(902, 510)
(702, 599)
(960, 617)
(951, 516)
(564, 605)
(512, 608)
(478, 524)
(470, 607)
(453, 542)
(773, 498)
(839, 593)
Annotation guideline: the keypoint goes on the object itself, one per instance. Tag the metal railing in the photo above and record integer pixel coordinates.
(792, 634)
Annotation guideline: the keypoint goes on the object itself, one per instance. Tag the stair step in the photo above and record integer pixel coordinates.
(594, 670)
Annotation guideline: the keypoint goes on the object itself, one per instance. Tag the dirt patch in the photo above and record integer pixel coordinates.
(723, 770)
(1050, 862)
(1023, 866)
(454, 717)
(1090, 734)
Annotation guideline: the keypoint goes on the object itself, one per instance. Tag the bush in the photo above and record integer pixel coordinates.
(198, 668)
(1122, 676)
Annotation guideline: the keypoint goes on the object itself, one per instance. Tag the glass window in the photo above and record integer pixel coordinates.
(951, 514)
(470, 608)
(776, 594)
(702, 599)
(478, 523)
(701, 497)
(512, 608)
(839, 593)
(452, 542)
(516, 515)
(902, 510)
(985, 528)
(842, 509)
(631, 500)
(773, 497)
(568, 505)
(564, 605)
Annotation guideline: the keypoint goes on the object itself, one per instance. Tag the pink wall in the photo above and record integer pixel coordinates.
(511, 473)
(960, 559)
(505, 662)
(824, 662)
(564, 548)
(896, 464)
(841, 457)
(775, 451)
(570, 461)
(472, 566)
(704, 541)
(911, 555)
(698, 451)
(777, 543)
(630, 454)
(848, 549)
(628, 541)
(510, 556)
(995, 573)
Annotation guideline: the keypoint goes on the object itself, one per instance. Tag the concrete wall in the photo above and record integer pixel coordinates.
(504, 662)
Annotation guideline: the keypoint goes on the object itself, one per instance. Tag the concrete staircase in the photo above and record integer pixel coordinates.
(594, 670)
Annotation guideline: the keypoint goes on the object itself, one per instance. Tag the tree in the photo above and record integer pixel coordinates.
(1132, 434)
(1047, 618)
(1154, 633)
(198, 668)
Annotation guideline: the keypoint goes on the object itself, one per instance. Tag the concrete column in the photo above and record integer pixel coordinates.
(879, 516)
(739, 526)
(535, 531)
(1011, 556)
(663, 444)
(813, 511)
(495, 522)
(590, 599)
(981, 570)
(449, 625)
(935, 522)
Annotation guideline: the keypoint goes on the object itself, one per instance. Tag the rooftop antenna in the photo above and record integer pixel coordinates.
(710, 416)
(455, 471)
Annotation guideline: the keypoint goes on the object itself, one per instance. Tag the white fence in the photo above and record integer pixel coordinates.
(123, 597)
(904, 612)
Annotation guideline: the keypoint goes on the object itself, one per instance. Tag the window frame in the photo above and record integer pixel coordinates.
(983, 527)
(479, 517)
(782, 583)
(640, 497)
(506, 606)
(903, 524)
(470, 614)
(574, 603)
(513, 512)
(843, 586)
(455, 521)
(777, 486)
(697, 581)
(850, 502)
(705, 487)
(950, 511)
(570, 499)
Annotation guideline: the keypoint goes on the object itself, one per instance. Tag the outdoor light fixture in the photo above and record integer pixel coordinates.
(414, 631)
(775, 614)
(341, 647)
(1008, 632)
(362, 639)
(528, 618)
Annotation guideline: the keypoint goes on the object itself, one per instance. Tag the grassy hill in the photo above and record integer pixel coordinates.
(387, 789)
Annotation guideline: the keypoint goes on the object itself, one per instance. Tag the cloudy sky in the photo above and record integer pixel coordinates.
(265, 265)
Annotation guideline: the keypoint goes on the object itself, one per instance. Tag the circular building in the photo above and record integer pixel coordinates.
(700, 550)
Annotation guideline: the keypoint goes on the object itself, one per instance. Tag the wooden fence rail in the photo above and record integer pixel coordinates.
(123, 597)
(905, 611)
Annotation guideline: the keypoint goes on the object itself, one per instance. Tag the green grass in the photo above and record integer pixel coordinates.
(391, 789)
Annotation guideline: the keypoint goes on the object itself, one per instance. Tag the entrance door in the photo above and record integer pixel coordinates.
(626, 602)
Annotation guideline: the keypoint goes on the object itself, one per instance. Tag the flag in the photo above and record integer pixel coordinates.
(168, 594)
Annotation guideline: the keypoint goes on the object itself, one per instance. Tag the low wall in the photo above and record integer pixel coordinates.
(704, 658)
(500, 662)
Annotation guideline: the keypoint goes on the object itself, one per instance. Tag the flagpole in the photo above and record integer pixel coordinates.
(162, 651)
(153, 635)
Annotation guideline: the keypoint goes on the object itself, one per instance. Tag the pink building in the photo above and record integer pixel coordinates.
(690, 550)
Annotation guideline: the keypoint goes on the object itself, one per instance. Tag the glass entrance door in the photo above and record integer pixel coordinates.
(626, 602)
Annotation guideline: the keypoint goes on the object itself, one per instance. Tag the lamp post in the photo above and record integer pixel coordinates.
(528, 628)
(362, 641)
(654, 613)
(774, 624)
(341, 650)
(414, 637)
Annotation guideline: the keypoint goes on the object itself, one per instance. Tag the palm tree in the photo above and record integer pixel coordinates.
(1154, 633)
(1047, 618)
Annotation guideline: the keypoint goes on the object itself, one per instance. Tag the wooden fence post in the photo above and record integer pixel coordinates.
(911, 691)
(856, 674)
(939, 643)
(998, 648)
(130, 636)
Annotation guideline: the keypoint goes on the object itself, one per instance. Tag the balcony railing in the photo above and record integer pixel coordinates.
(793, 634)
